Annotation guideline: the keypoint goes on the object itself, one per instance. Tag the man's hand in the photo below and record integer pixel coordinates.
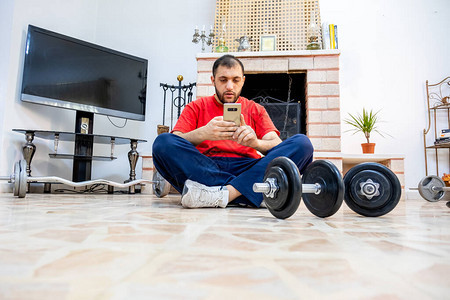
(245, 135)
(218, 129)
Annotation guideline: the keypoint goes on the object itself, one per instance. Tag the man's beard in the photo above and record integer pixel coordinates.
(221, 97)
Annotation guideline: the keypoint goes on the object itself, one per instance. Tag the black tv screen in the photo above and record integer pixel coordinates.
(69, 73)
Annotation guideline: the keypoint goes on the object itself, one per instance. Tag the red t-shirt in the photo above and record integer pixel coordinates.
(199, 112)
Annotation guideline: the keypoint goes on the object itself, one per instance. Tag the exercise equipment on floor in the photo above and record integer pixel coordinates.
(161, 187)
(432, 188)
(20, 179)
(322, 188)
(371, 189)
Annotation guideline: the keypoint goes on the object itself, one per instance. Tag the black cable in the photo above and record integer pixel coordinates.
(99, 188)
(124, 124)
(95, 188)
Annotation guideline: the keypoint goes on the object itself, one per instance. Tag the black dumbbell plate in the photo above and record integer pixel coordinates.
(288, 197)
(382, 179)
(329, 200)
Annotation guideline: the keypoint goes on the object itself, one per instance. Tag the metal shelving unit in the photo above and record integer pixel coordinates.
(438, 101)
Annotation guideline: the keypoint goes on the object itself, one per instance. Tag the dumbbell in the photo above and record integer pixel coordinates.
(432, 188)
(161, 187)
(371, 189)
(20, 179)
(321, 188)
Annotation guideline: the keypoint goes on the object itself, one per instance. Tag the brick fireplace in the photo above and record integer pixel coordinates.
(323, 119)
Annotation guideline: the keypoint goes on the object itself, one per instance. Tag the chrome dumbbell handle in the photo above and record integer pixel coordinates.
(315, 188)
(440, 188)
(264, 188)
(270, 187)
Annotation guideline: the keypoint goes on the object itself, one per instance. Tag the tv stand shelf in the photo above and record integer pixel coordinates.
(87, 140)
(86, 157)
(70, 136)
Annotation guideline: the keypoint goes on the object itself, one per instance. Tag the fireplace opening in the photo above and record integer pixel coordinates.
(283, 97)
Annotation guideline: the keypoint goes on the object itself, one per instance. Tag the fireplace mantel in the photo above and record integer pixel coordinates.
(271, 53)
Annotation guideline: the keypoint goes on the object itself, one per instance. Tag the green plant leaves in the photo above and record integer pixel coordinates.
(365, 123)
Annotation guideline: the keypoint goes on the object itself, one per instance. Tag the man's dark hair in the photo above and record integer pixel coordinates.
(228, 61)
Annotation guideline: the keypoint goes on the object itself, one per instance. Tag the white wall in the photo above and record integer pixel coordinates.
(389, 49)
(6, 12)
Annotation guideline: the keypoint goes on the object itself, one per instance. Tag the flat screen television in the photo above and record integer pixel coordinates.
(69, 73)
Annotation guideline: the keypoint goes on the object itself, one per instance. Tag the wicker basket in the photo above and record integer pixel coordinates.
(288, 20)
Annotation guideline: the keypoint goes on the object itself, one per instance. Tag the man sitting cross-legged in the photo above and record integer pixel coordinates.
(213, 162)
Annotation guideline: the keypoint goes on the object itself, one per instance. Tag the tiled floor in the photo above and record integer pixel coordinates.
(141, 247)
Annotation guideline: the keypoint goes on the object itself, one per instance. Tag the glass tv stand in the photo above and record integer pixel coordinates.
(82, 156)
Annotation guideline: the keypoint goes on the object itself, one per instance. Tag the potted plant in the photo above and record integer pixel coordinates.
(365, 123)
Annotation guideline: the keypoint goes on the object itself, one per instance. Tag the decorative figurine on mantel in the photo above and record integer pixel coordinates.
(221, 47)
(313, 33)
(244, 43)
(202, 37)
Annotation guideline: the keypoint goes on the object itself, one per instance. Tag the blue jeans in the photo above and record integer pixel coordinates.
(177, 160)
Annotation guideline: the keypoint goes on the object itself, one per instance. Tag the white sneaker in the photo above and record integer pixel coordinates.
(197, 195)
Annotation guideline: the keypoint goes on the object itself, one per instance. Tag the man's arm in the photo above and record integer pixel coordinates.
(267, 142)
(246, 136)
(216, 129)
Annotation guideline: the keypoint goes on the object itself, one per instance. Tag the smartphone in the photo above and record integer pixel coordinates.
(232, 113)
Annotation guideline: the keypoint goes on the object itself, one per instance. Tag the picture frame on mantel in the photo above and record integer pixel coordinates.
(267, 43)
